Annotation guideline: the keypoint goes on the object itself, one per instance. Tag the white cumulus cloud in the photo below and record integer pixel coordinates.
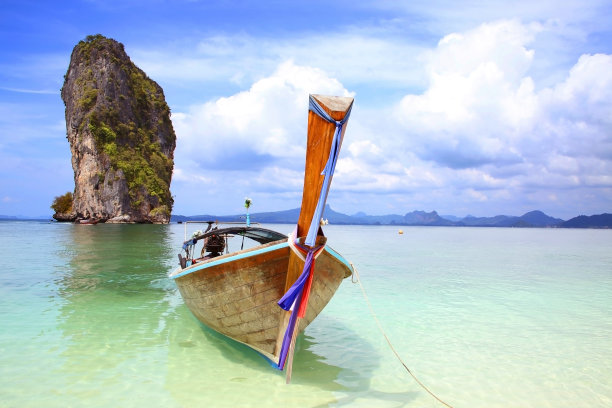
(482, 111)
(254, 141)
(257, 126)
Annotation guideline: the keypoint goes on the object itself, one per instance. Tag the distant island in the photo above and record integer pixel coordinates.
(532, 219)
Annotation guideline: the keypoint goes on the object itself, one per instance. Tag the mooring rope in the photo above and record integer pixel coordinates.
(389, 341)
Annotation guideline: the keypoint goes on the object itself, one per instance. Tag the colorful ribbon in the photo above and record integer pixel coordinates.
(296, 298)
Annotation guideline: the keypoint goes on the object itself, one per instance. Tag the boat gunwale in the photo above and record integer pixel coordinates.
(258, 250)
(245, 253)
(341, 259)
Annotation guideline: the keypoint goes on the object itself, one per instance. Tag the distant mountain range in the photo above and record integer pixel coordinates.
(25, 217)
(593, 221)
(532, 219)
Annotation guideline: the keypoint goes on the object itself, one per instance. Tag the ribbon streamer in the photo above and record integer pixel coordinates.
(296, 298)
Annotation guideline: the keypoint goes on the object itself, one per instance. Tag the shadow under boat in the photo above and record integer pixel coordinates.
(340, 368)
(315, 366)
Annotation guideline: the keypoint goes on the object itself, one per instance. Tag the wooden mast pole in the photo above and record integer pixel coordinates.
(318, 146)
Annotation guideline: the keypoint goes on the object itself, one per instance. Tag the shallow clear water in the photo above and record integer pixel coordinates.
(484, 317)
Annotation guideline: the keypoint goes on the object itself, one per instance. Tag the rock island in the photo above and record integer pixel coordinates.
(121, 138)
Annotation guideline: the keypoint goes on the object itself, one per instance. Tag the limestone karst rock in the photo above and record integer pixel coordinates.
(120, 134)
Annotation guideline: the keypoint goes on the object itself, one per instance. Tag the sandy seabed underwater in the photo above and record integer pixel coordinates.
(485, 317)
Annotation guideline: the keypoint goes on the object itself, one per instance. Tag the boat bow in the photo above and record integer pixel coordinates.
(327, 118)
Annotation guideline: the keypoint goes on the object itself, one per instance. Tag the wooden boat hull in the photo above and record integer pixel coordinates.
(237, 294)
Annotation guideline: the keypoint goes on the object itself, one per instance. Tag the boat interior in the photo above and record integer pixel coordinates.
(217, 241)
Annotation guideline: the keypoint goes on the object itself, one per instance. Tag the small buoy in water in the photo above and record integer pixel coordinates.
(400, 232)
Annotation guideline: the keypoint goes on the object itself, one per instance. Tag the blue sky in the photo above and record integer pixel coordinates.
(473, 107)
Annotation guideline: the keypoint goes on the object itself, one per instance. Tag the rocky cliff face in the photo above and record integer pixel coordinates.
(121, 137)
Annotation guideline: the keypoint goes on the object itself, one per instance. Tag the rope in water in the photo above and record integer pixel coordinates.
(389, 341)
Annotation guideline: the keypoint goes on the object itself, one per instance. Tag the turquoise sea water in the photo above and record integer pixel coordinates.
(484, 317)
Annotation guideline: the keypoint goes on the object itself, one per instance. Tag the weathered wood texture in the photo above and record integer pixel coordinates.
(238, 298)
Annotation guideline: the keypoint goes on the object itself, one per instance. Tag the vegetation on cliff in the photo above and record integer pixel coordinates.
(62, 204)
(130, 147)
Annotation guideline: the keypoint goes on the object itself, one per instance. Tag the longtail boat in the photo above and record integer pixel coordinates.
(266, 294)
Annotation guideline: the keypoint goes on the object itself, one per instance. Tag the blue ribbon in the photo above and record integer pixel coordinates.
(288, 334)
(329, 169)
(289, 297)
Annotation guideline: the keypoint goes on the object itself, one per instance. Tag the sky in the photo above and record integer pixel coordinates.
(463, 107)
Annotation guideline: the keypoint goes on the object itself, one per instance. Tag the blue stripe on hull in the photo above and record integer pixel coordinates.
(339, 258)
(221, 261)
(253, 253)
